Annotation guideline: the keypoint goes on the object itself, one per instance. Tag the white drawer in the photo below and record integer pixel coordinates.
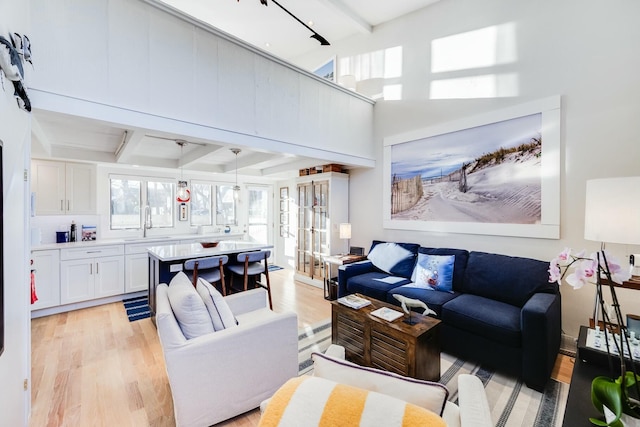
(138, 248)
(91, 252)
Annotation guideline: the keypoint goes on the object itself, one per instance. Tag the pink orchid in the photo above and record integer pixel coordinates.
(555, 274)
(618, 273)
(583, 274)
(564, 257)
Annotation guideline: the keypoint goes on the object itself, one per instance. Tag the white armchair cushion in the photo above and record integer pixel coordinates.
(188, 307)
(426, 394)
(219, 311)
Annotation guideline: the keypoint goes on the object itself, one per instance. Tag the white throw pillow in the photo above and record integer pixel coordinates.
(385, 256)
(219, 310)
(426, 394)
(188, 307)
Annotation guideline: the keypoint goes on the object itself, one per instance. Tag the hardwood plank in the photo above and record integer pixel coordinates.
(94, 367)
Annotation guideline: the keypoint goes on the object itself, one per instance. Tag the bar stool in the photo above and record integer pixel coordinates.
(251, 265)
(210, 269)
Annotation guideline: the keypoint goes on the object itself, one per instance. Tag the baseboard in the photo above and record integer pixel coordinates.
(568, 345)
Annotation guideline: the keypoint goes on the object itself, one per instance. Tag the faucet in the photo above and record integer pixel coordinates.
(147, 220)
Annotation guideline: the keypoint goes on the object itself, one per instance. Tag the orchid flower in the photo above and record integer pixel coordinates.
(584, 273)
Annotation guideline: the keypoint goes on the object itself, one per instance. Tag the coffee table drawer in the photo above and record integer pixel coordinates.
(389, 353)
(349, 333)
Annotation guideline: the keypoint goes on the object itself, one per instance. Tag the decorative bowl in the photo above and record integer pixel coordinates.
(209, 244)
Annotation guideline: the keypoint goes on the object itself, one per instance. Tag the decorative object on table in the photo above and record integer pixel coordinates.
(209, 244)
(354, 301)
(345, 232)
(612, 214)
(408, 303)
(387, 314)
(88, 233)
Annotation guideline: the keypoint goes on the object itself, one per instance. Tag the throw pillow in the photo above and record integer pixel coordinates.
(426, 394)
(188, 307)
(434, 272)
(391, 258)
(313, 401)
(219, 310)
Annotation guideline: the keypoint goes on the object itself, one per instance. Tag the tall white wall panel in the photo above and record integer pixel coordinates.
(131, 55)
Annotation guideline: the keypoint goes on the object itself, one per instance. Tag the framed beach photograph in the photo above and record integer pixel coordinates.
(327, 70)
(495, 174)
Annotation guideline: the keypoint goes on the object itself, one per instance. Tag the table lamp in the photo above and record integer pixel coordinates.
(345, 233)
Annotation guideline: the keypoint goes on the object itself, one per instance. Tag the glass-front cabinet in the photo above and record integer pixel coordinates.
(322, 201)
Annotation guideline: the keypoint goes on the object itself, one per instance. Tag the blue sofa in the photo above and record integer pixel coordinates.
(502, 311)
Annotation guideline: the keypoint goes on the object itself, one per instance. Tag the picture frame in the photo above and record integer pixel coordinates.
(460, 136)
(284, 205)
(284, 218)
(284, 231)
(327, 70)
(284, 192)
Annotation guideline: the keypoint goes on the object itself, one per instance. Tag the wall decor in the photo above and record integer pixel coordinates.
(284, 231)
(284, 205)
(497, 173)
(284, 218)
(327, 70)
(284, 192)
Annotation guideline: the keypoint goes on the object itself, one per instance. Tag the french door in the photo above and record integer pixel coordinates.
(259, 214)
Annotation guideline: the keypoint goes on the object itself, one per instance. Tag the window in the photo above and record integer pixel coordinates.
(128, 200)
(125, 203)
(225, 205)
(201, 204)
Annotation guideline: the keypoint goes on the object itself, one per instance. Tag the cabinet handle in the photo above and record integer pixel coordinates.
(93, 252)
(61, 205)
(68, 205)
(90, 269)
(97, 268)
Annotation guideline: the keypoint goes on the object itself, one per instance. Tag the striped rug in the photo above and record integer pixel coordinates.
(137, 308)
(511, 402)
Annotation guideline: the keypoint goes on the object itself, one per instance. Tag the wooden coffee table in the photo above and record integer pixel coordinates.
(410, 350)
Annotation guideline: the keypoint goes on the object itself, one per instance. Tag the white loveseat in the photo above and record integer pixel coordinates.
(219, 375)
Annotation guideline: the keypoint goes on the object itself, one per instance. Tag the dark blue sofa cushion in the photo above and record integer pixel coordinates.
(511, 280)
(374, 284)
(403, 268)
(434, 299)
(494, 320)
(459, 265)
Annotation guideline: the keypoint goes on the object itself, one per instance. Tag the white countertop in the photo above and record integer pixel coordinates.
(174, 252)
(152, 240)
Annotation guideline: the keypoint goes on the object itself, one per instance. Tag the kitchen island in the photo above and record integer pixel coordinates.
(167, 260)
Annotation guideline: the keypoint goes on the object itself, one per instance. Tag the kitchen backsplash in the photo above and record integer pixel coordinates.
(43, 228)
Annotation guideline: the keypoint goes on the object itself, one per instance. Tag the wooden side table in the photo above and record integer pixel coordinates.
(410, 350)
(336, 260)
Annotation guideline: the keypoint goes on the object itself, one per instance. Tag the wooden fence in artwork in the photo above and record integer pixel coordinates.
(405, 193)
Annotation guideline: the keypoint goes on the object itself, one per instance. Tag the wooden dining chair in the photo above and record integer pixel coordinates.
(209, 268)
(253, 264)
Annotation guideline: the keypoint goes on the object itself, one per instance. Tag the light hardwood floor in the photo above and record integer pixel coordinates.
(94, 367)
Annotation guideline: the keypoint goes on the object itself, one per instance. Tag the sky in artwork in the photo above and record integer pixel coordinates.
(441, 154)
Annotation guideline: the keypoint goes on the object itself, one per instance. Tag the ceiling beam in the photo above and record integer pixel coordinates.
(248, 161)
(357, 21)
(41, 137)
(197, 155)
(131, 140)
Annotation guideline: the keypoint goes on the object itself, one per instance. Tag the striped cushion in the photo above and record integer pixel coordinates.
(219, 310)
(313, 401)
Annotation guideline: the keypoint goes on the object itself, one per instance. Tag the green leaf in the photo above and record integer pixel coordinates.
(607, 392)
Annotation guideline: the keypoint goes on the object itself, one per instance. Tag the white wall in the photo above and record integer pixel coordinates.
(584, 51)
(15, 133)
(97, 54)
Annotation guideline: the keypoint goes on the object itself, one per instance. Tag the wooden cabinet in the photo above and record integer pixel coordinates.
(63, 188)
(47, 278)
(323, 203)
(91, 273)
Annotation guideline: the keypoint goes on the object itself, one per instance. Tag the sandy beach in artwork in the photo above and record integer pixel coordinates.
(507, 192)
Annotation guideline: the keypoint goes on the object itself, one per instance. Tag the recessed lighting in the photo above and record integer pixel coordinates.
(310, 23)
(267, 44)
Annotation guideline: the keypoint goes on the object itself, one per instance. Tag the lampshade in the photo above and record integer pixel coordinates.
(612, 210)
(345, 231)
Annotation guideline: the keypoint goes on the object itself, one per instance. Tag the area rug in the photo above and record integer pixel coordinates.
(273, 267)
(511, 402)
(137, 308)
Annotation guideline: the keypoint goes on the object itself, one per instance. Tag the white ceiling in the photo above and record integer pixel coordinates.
(67, 137)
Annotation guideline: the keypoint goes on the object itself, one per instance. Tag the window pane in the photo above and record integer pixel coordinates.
(125, 204)
(225, 205)
(201, 204)
(161, 201)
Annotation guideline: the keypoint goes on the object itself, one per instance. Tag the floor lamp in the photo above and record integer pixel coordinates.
(612, 215)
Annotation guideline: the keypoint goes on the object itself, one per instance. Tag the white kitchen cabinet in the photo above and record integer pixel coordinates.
(137, 267)
(47, 277)
(63, 188)
(89, 273)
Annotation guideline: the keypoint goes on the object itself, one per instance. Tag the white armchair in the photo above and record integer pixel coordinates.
(222, 374)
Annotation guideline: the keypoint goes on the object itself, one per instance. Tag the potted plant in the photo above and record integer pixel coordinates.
(609, 396)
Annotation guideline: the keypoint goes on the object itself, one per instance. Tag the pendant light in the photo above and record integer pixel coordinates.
(183, 195)
(236, 188)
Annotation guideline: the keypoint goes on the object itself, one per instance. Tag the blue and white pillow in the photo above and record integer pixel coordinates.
(221, 315)
(434, 272)
(391, 258)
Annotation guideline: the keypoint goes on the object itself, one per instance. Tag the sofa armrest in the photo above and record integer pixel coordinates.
(541, 329)
(244, 302)
(472, 401)
(349, 270)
